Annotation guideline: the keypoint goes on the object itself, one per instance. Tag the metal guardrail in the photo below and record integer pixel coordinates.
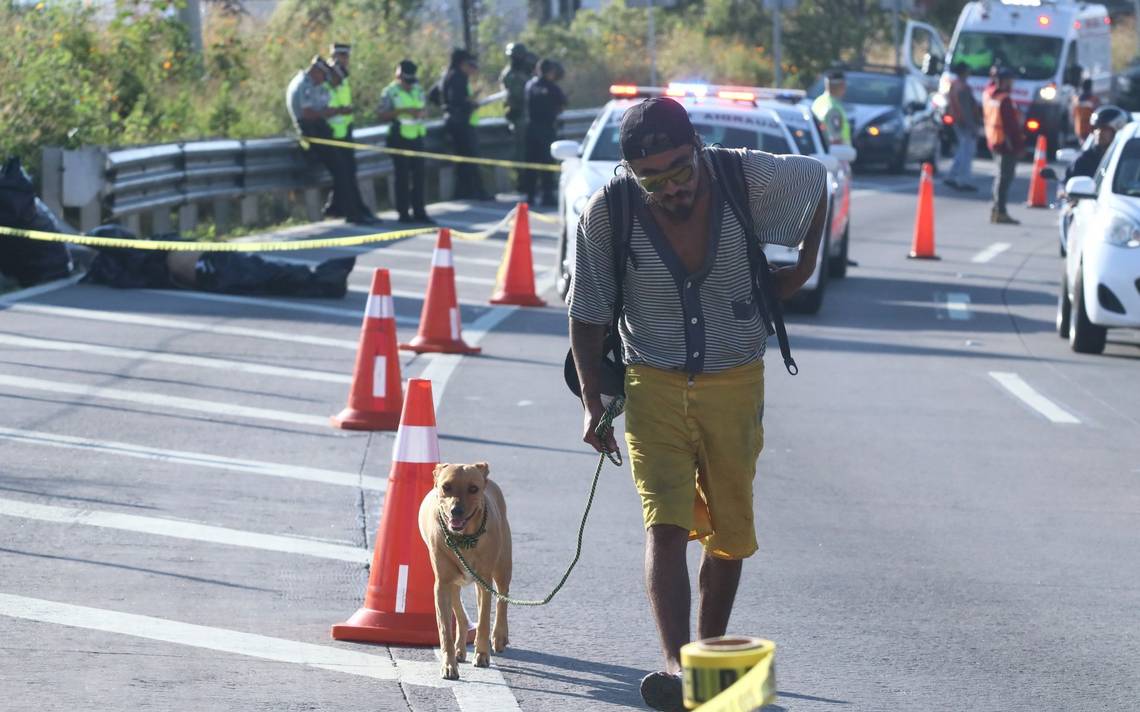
(154, 179)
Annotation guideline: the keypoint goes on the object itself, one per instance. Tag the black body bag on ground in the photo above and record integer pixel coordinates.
(24, 260)
(619, 201)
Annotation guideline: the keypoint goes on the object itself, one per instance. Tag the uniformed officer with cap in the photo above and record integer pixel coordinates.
(402, 104)
(307, 99)
(544, 102)
(519, 70)
(339, 55)
(828, 108)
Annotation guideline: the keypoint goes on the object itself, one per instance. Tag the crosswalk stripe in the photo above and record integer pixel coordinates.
(480, 690)
(195, 459)
(179, 359)
(178, 529)
(116, 317)
(163, 401)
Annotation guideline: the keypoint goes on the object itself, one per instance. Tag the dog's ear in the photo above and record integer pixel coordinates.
(435, 472)
(484, 469)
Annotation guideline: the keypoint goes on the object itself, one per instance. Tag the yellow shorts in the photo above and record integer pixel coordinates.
(693, 446)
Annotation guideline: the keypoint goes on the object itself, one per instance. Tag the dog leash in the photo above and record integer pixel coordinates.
(605, 424)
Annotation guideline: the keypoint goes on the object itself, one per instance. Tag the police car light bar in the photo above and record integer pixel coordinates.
(681, 90)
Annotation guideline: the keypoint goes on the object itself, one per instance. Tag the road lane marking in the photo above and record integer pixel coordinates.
(990, 252)
(958, 306)
(115, 317)
(163, 401)
(30, 292)
(178, 529)
(284, 304)
(480, 689)
(179, 359)
(1018, 387)
(196, 459)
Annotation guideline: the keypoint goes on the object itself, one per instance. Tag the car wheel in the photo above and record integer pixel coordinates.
(1085, 337)
(837, 266)
(1063, 308)
(898, 161)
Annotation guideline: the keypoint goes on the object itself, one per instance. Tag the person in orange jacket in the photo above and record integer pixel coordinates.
(1005, 139)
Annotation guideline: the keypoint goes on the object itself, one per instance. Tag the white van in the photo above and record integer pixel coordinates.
(1051, 44)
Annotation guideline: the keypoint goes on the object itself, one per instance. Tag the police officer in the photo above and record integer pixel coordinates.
(828, 108)
(460, 118)
(1105, 122)
(544, 102)
(402, 104)
(513, 80)
(307, 99)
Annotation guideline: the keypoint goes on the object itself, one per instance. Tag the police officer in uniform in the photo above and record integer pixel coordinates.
(460, 119)
(519, 70)
(828, 108)
(402, 104)
(307, 99)
(544, 102)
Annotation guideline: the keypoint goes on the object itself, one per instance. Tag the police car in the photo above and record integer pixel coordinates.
(734, 117)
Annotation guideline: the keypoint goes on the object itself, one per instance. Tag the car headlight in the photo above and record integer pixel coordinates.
(889, 126)
(1122, 231)
(1048, 92)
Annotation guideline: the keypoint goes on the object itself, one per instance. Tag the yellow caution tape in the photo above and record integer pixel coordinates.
(729, 674)
(276, 246)
(553, 168)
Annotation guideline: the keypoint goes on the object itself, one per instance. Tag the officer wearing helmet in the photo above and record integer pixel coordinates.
(1105, 122)
(520, 67)
(544, 102)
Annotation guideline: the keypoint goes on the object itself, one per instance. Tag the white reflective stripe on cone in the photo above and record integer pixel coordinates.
(454, 313)
(416, 444)
(402, 589)
(441, 258)
(380, 377)
(380, 306)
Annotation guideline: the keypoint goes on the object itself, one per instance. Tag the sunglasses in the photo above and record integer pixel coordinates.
(677, 176)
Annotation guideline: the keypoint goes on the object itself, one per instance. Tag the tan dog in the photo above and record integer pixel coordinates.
(472, 509)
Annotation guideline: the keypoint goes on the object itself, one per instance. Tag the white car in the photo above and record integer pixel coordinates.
(1100, 288)
(734, 117)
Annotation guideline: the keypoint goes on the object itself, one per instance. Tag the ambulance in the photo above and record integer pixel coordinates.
(1051, 45)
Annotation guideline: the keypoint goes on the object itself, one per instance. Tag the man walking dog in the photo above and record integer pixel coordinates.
(692, 323)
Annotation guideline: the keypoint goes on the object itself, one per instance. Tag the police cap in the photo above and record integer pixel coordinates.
(406, 70)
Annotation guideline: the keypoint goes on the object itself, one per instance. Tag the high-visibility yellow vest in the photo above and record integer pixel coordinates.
(411, 128)
(340, 96)
(822, 107)
(475, 111)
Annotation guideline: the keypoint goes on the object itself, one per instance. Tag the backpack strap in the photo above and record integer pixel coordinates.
(618, 195)
(730, 169)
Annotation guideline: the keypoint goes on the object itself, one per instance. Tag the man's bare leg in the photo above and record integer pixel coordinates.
(718, 581)
(667, 582)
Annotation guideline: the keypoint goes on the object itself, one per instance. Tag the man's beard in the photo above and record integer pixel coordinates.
(680, 208)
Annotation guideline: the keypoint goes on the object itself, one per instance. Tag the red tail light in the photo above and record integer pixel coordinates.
(1033, 124)
(948, 119)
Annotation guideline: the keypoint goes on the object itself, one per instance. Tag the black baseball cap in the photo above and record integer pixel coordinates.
(407, 71)
(654, 126)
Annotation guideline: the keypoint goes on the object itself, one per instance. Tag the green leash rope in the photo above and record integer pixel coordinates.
(605, 424)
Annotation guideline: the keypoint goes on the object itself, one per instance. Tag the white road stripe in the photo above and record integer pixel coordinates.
(196, 459)
(115, 317)
(178, 529)
(958, 306)
(180, 359)
(283, 304)
(30, 292)
(480, 689)
(163, 401)
(1018, 387)
(990, 252)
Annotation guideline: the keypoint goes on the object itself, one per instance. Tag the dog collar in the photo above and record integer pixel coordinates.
(462, 541)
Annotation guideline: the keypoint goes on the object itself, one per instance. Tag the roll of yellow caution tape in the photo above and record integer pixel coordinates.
(715, 668)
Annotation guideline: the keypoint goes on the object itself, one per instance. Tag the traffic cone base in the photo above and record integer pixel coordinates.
(369, 626)
(351, 419)
(421, 345)
(516, 277)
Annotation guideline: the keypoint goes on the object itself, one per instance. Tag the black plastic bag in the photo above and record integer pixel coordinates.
(24, 260)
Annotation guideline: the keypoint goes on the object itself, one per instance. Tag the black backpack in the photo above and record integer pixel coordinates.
(618, 194)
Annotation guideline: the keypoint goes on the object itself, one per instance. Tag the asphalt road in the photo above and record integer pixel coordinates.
(947, 503)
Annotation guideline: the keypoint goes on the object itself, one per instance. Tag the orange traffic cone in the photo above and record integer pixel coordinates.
(399, 603)
(375, 399)
(923, 246)
(440, 328)
(1038, 197)
(516, 276)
